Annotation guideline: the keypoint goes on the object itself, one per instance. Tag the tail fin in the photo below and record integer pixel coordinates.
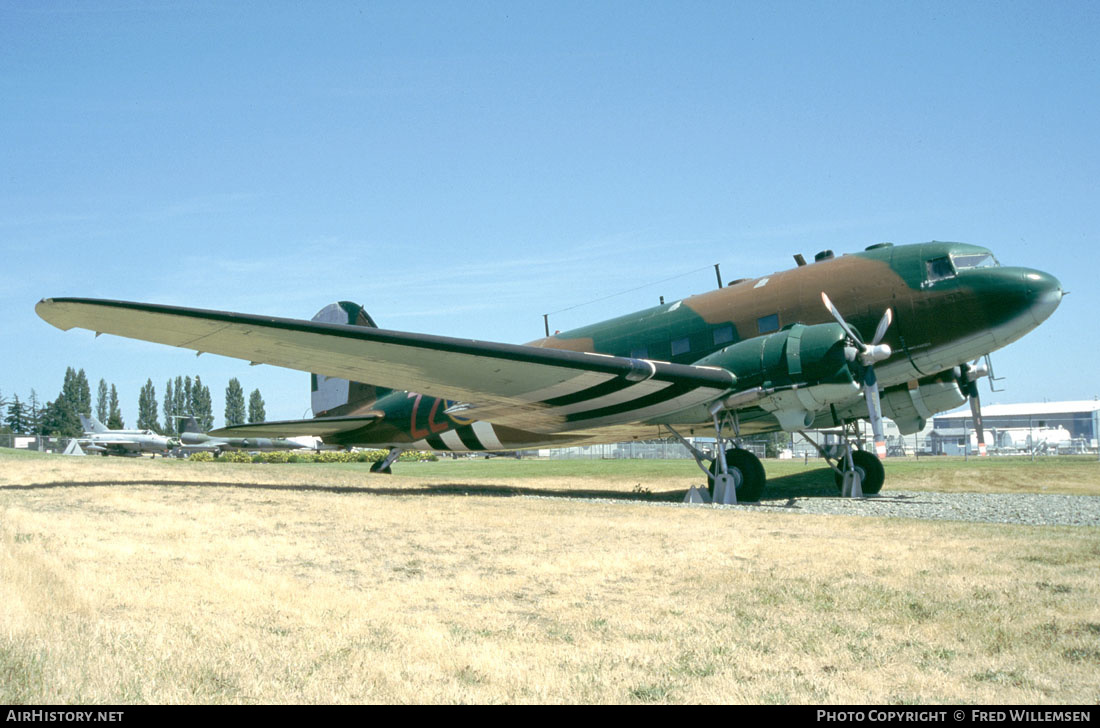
(91, 424)
(191, 425)
(334, 397)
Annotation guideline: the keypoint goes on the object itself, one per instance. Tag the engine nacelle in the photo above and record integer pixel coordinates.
(800, 354)
(811, 367)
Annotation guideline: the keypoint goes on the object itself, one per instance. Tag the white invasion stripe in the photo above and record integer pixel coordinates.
(420, 445)
(451, 439)
(569, 386)
(703, 395)
(485, 434)
(623, 395)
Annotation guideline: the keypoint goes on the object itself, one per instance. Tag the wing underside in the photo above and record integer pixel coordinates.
(537, 389)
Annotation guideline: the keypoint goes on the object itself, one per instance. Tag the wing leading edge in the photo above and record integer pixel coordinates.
(539, 389)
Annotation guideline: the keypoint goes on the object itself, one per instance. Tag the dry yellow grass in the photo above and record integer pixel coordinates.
(139, 581)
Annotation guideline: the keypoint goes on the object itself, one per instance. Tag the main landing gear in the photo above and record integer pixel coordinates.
(857, 473)
(735, 474)
(383, 466)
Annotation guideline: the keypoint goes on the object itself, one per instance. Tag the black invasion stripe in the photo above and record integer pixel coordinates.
(435, 442)
(676, 390)
(469, 439)
(609, 387)
(699, 376)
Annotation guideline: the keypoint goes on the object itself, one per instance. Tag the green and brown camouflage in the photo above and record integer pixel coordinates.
(952, 303)
(767, 349)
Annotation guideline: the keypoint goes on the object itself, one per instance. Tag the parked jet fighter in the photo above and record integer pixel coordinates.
(785, 351)
(131, 443)
(193, 439)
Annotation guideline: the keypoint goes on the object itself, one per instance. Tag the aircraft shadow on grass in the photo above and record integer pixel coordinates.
(781, 492)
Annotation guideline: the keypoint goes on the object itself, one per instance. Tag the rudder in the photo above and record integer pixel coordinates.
(331, 396)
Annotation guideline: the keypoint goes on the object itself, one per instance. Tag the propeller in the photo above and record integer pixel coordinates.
(968, 376)
(869, 355)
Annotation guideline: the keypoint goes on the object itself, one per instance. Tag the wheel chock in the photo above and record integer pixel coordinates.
(697, 495)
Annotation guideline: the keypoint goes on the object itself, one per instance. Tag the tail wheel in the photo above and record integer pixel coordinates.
(749, 475)
(872, 474)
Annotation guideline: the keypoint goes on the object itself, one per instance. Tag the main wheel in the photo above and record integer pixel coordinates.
(872, 474)
(751, 471)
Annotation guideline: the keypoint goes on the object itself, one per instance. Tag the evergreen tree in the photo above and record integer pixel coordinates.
(59, 419)
(114, 414)
(83, 394)
(188, 399)
(170, 425)
(69, 391)
(147, 408)
(34, 414)
(202, 406)
(180, 400)
(256, 407)
(16, 418)
(101, 410)
(234, 403)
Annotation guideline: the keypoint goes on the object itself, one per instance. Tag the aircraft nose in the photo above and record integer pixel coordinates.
(1044, 292)
(1015, 300)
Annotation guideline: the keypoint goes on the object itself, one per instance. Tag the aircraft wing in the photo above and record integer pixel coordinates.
(539, 389)
(92, 442)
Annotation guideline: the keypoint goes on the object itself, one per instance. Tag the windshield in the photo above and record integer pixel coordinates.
(974, 260)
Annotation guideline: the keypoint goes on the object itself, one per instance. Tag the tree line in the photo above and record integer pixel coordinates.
(183, 397)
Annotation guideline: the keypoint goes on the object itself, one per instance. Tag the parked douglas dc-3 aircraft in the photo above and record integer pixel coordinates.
(787, 351)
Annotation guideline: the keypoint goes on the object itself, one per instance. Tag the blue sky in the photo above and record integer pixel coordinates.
(462, 168)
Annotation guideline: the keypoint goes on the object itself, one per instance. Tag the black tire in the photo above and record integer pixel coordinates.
(872, 474)
(753, 477)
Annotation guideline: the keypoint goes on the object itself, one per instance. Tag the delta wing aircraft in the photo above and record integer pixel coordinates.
(887, 331)
(193, 439)
(131, 443)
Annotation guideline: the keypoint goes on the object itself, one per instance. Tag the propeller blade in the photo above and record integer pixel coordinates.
(887, 319)
(874, 411)
(840, 319)
(976, 413)
(868, 355)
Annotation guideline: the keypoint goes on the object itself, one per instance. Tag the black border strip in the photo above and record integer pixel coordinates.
(599, 390)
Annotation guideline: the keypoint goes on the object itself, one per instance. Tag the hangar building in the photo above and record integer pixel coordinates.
(1048, 426)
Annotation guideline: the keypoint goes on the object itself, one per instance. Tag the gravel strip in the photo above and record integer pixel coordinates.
(1025, 508)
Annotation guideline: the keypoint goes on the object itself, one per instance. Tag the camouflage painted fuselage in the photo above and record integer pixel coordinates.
(952, 303)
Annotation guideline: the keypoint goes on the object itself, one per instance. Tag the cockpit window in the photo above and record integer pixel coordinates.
(974, 260)
(938, 269)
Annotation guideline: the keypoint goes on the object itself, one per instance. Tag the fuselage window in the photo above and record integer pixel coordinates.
(764, 324)
(938, 269)
(639, 352)
(723, 334)
(975, 260)
(681, 346)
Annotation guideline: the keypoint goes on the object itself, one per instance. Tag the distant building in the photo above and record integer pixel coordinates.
(1044, 426)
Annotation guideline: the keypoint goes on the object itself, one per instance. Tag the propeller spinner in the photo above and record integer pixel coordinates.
(869, 355)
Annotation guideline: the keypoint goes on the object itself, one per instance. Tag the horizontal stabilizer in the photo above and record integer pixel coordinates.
(315, 427)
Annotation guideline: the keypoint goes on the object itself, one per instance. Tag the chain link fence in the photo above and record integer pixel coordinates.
(34, 442)
(641, 450)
